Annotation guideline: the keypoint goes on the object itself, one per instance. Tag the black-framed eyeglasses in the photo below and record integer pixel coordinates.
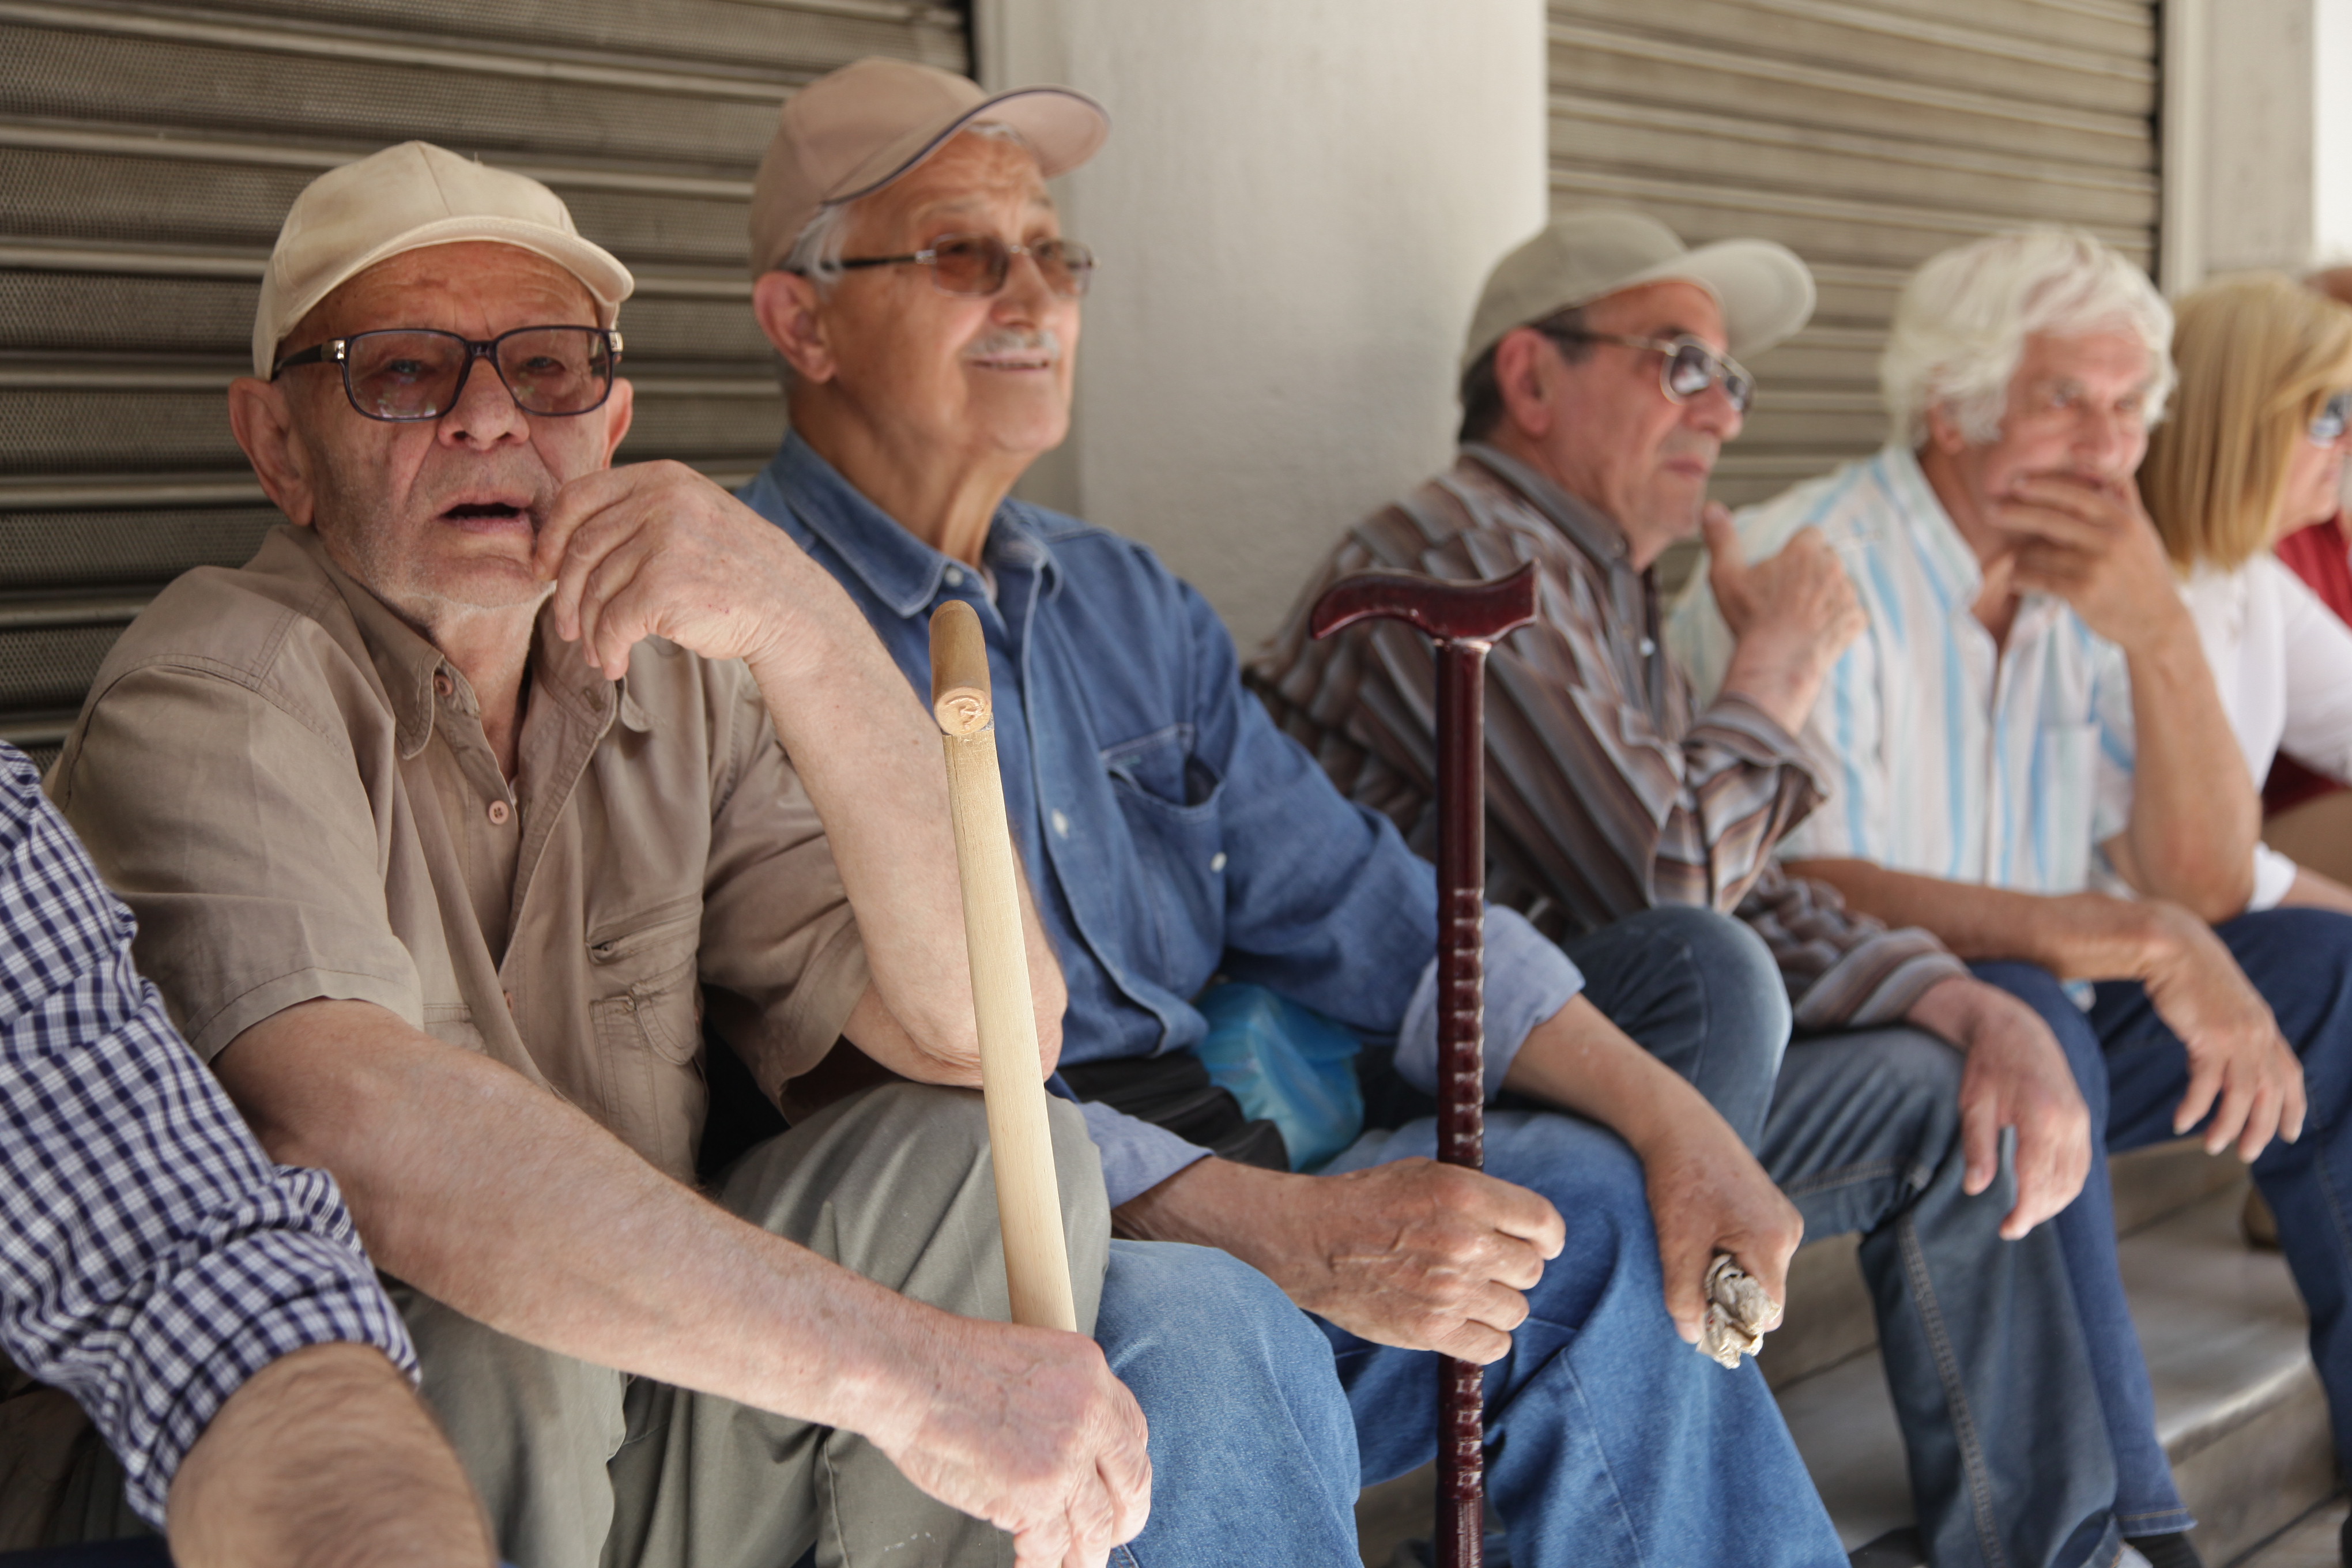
(2335, 417)
(980, 263)
(418, 373)
(1690, 368)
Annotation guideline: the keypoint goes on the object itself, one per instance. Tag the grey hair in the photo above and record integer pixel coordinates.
(817, 251)
(1960, 327)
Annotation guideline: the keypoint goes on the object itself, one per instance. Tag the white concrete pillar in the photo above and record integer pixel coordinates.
(1296, 208)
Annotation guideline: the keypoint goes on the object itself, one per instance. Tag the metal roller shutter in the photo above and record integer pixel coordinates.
(1866, 135)
(148, 153)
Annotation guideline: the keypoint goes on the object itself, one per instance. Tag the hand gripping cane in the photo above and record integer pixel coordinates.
(1464, 619)
(1021, 1145)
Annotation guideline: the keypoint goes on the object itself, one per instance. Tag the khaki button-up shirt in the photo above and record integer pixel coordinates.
(292, 790)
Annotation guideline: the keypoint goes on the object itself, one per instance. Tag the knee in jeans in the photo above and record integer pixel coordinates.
(1729, 960)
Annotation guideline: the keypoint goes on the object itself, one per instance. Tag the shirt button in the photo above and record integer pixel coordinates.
(499, 812)
(1217, 861)
(955, 576)
(509, 1001)
(1061, 825)
(441, 683)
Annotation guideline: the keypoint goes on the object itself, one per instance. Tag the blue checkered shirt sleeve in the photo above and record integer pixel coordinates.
(152, 1259)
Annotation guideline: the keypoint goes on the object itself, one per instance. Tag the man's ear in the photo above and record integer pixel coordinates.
(619, 409)
(263, 420)
(1944, 431)
(790, 312)
(1521, 361)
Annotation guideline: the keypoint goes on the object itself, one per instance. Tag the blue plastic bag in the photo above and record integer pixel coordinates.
(1286, 1063)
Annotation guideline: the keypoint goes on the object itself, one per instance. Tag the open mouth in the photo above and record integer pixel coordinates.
(491, 512)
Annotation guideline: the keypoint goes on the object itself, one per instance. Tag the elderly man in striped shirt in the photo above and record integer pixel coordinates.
(1596, 390)
(2030, 759)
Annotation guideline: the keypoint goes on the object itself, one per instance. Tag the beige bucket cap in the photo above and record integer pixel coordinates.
(848, 134)
(406, 198)
(1766, 294)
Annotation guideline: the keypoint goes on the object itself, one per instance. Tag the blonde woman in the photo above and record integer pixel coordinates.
(2252, 451)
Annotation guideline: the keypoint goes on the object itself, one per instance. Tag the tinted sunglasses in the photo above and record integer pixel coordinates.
(1690, 367)
(417, 373)
(980, 263)
(2334, 416)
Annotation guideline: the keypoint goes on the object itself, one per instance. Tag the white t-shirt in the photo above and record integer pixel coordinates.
(2283, 664)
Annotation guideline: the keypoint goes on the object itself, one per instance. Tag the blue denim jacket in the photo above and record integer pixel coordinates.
(1170, 831)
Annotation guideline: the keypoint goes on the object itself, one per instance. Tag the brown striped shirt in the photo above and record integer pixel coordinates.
(1605, 792)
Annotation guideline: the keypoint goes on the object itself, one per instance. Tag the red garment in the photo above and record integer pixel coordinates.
(2321, 555)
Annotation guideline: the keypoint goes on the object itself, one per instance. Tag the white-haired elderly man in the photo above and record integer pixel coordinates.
(1598, 387)
(2026, 735)
(910, 269)
(454, 817)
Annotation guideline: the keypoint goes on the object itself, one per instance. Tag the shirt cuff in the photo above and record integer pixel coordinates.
(1136, 1156)
(2273, 876)
(1528, 979)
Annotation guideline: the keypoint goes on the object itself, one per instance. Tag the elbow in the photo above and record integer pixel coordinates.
(2213, 893)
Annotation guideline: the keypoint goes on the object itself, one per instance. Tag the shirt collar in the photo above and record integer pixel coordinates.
(898, 569)
(1953, 567)
(406, 662)
(1587, 528)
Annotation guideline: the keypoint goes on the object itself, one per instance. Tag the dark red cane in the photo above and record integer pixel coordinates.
(1464, 619)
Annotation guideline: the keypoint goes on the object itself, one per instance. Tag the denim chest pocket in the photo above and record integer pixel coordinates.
(1172, 804)
(643, 973)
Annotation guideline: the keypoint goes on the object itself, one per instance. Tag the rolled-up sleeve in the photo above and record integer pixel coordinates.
(1528, 981)
(152, 1259)
(241, 829)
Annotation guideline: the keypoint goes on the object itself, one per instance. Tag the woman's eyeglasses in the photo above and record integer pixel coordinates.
(980, 263)
(416, 372)
(1690, 368)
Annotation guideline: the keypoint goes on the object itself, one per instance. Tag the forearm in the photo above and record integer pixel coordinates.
(2313, 890)
(1783, 681)
(2194, 814)
(494, 1197)
(1581, 1062)
(869, 755)
(325, 1458)
(2075, 936)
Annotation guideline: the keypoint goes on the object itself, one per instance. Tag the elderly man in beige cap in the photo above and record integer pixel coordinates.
(910, 269)
(1599, 384)
(453, 818)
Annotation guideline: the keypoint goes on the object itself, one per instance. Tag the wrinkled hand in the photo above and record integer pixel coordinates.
(1027, 1429)
(2016, 1076)
(657, 550)
(1707, 1194)
(1790, 614)
(2094, 547)
(2241, 1067)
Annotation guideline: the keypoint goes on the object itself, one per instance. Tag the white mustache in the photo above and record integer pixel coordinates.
(1018, 342)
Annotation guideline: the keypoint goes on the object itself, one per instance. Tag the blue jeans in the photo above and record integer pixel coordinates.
(1612, 1443)
(1252, 1445)
(1984, 1350)
(2133, 1071)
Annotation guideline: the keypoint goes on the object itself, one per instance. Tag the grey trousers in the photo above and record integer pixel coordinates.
(579, 1465)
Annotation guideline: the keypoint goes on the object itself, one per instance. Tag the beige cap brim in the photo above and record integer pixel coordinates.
(1766, 293)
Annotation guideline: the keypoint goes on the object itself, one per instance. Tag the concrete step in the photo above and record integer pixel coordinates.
(2239, 1407)
(2309, 1543)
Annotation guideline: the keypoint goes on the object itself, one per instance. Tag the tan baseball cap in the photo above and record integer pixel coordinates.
(1765, 292)
(849, 133)
(406, 198)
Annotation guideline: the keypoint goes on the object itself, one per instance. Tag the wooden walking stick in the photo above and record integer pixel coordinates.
(1464, 619)
(1021, 1145)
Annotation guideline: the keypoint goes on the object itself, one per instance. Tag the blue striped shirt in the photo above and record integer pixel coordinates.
(1947, 756)
(152, 1259)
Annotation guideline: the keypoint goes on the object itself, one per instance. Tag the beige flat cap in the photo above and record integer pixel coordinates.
(1765, 292)
(406, 198)
(849, 133)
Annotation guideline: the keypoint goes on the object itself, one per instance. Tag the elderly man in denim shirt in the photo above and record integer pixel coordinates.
(911, 271)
